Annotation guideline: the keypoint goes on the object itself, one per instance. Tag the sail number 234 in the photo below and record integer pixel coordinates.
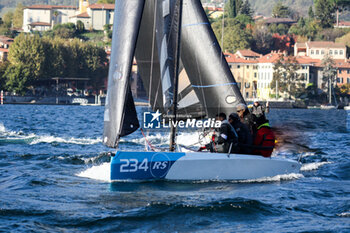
(133, 165)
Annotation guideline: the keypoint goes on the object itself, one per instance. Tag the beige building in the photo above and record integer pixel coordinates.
(318, 49)
(245, 71)
(44, 17)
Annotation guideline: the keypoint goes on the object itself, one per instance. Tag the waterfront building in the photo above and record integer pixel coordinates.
(245, 71)
(318, 49)
(44, 17)
(343, 72)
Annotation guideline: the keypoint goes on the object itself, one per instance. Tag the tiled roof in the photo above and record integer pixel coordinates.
(98, 6)
(234, 58)
(49, 7)
(82, 15)
(4, 50)
(6, 40)
(325, 44)
(307, 60)
(344, 23)
(248, 53)
(40, 24)
(270, 58)
(342, 63)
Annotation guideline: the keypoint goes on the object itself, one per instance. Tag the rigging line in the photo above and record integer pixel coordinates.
(149, 144)
(222, 34)
(152, 55)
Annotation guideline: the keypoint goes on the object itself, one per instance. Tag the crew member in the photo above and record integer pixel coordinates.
(225, 139)
(245, 139)
(246, 117)
(264, 141)
(259, 110)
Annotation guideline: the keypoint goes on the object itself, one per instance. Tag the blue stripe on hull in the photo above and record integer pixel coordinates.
(142, 165)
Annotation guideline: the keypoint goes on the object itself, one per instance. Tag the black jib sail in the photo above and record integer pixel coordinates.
(120, 115)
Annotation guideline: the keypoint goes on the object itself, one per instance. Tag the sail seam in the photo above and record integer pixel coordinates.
(214, 85)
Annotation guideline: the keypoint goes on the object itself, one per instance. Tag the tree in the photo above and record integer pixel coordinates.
(324, 11)
(28, 51)
(18, 16)
(7, 19)
(280, 11)
(66, 30)
(18, 78)
(311, 13)
(233, 7)
(286, 77)
(236, 35)
(329, 74)
(246, 9)
(262, 38)
(80, 26)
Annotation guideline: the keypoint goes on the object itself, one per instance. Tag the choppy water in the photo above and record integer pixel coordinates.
(54, 178)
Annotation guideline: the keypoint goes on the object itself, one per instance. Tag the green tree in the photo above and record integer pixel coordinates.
(233, 7)
(3, 67)
(324, 11)
(280, 11)
(18, 78)
(236, 35)
(286, 76)
(18, 16)
(311, 13)
(7, 18)
(80, 26)
(246, 9)
(66, 30)
(28, 51)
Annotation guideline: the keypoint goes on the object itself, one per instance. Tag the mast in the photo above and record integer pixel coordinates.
(178, 19)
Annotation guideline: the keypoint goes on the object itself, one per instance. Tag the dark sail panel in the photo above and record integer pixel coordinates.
(127, 17)
(205, 65)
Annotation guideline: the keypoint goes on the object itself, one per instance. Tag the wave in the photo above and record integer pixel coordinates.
(101, 172)
(312, 166)
(345, 214)
(13, 137)
(72, 140)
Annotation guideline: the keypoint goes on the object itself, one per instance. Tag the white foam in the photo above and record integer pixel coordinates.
(101, 172)
(52, 139)
(345, 214)
(2, 128)
(312, 166)
(291, 176)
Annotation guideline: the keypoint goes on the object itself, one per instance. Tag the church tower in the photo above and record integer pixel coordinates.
(83, 5)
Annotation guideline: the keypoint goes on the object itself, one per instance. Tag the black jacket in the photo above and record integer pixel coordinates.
(245, 138)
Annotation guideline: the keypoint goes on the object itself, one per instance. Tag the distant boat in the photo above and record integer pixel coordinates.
(313, 107)
(328, 107)
(347, 108)
(151, 31)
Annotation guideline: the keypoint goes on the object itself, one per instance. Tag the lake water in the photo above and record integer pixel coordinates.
(54, 178)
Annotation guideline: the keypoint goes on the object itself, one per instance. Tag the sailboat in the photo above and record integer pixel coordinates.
(184, 72)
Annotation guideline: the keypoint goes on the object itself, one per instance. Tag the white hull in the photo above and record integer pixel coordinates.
(216, 166)
(197, 166)
(347, 108)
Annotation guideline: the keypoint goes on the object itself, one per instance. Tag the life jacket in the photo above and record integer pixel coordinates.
(264, 140)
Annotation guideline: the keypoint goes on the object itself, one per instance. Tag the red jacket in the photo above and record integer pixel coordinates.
(264, 138)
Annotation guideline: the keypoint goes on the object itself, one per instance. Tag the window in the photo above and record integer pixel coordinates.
(317, 52)
(348, 71)
(247, 66)
(341, 52)
(254, 75)
(238, 66)
(348, 80)
(312, 52)
(335, 52)
(338, 80)
(339, 71)
(330, 52)
(322, 51)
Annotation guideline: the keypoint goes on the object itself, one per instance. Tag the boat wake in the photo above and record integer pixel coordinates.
(312, 166)
(100, 172)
